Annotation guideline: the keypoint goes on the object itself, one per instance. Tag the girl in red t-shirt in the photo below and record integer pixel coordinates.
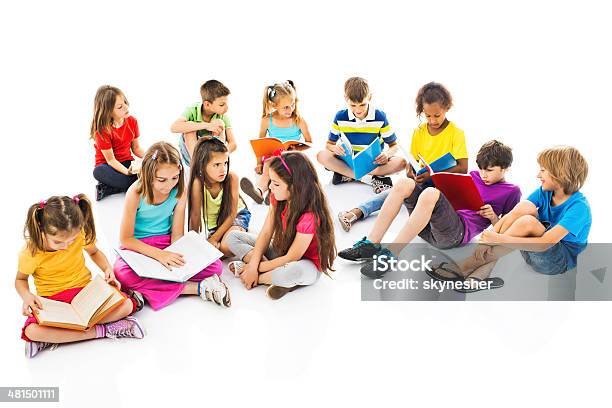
(115, 134)
(297, 241)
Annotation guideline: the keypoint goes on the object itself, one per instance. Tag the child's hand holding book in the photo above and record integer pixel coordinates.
(31, 304)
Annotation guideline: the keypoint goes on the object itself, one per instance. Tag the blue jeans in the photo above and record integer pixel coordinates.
(374, 204)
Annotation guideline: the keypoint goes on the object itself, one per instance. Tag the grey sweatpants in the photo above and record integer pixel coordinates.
(303, 272)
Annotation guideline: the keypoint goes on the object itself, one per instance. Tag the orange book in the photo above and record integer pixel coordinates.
(265, 146)
(96, 300)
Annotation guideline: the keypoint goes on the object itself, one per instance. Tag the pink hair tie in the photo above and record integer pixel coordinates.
(279, 153)
(76, 200)
(42, 204)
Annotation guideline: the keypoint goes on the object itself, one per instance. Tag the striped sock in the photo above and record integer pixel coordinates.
(100, 331)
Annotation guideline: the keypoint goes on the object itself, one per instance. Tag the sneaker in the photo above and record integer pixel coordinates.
(101, 191)
(213, 289)
(347, 218)
(367, 269)
(127, 327)
(276, 292)
(104, 190)
(32, 348)
(249, 189)
(339, 179)
(361, 251)
(380, 184)
(137, 296)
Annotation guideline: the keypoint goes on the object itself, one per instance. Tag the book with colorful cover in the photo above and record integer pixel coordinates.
(440, 164)
(361, 163)
(458, 188)
(266, 146)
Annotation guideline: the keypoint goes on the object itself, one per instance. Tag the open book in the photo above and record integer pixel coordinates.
(197, 252)
(265, 146)
(458, 188)
(363, 162)
(92, 303)
(440, 164)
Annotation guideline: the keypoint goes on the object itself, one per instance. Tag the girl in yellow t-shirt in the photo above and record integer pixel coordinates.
(57, 230)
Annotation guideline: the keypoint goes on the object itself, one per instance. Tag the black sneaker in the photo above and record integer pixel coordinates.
(361, 251)
(367, 269)
(101, 191)
(339, 179)
(380, 184)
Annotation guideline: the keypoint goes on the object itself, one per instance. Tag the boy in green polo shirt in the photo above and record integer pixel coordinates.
(205, 118)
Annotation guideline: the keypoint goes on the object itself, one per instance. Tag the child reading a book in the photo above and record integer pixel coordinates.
(432, 216)
(215, 205)
(296, 243)
(57, 230)
(153, 218)
(551, 227)
(361, 123)
(205, 118)
(281, 119)
(115, 135)
(432, 140)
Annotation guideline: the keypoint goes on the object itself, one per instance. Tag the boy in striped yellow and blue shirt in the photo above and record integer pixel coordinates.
(361, 124)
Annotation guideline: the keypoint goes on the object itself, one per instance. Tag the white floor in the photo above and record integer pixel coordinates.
(527, 74)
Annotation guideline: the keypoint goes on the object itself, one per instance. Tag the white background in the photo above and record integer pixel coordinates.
(531, 74)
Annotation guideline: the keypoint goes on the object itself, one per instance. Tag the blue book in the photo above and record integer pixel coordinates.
(443, 163)
(363, 162)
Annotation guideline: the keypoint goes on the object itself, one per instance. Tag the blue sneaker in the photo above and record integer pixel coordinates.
(368, 267)
(363, 250)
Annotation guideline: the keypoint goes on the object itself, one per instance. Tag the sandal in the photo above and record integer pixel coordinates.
(492, 283)
(432, 272)
(249, 189)
(347, 218)
(236, 267)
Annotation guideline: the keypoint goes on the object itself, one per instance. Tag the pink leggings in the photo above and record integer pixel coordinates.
(159, 293)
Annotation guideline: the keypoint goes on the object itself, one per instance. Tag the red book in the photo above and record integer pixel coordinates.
(458, 188)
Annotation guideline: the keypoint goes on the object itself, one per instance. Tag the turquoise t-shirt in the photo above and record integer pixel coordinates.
(153, 220)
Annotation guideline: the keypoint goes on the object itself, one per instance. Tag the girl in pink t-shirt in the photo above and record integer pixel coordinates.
(297, 240)
(115, 135)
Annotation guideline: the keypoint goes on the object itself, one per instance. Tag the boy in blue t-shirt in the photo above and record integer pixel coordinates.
(552, 225)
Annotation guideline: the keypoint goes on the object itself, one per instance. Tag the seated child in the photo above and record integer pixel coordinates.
(116, 136)
(551, 227)
(215, 205)
(153, 218)
(281, 119)
(57, 231)
(362, 124)
(296, 243)
(432, 216)
(432, 140)
(205, 118)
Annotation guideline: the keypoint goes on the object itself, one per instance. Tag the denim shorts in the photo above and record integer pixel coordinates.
(555, 260)
(243, 218)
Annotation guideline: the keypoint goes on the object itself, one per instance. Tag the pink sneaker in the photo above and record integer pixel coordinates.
(128, 327)
(32, 348)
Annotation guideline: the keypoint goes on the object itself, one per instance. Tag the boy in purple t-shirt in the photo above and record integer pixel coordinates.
(432, 216)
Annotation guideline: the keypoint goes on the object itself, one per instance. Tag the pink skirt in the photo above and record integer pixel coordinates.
(157, 292)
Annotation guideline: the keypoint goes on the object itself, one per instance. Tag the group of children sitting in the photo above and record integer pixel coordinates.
(296, 243)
